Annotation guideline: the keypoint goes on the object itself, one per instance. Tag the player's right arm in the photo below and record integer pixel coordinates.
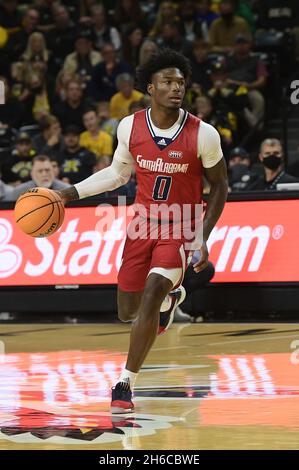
(110, 178)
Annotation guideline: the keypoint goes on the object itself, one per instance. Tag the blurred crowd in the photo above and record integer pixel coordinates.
(69, 73)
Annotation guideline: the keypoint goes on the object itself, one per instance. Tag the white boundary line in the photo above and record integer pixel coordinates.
(252, 340)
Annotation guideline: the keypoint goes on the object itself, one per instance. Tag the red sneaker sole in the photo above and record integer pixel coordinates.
(119, 406)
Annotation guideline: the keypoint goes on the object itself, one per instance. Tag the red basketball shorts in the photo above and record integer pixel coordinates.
(162, 247)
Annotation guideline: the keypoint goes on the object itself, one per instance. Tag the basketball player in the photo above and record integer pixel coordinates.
(153, 140)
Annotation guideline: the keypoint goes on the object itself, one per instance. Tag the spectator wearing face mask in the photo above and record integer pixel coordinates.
(272, 157)
(240, 176)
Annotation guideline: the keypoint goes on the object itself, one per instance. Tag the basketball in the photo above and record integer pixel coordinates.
(39, 212)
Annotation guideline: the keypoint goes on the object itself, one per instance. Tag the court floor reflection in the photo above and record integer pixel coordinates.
(192, 393)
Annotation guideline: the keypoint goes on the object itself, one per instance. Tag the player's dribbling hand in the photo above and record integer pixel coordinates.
(60, 195)
(204, 258)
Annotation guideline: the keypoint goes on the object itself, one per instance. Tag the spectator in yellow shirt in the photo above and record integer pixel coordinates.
(96, 141)
(120, 102)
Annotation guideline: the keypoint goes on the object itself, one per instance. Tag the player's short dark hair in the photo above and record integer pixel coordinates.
(163, 59)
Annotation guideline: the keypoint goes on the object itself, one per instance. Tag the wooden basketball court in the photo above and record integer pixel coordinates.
(204, 386)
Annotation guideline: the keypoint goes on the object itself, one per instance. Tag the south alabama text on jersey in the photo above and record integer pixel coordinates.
(160, 166)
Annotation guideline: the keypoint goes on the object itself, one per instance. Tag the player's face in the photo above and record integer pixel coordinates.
(168, 88)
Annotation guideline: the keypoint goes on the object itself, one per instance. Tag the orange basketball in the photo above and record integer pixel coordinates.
(39, 212)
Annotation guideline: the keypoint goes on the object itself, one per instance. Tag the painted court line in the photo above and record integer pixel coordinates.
(252, 340)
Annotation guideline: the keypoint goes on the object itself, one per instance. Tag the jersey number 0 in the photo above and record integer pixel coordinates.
(161, 188)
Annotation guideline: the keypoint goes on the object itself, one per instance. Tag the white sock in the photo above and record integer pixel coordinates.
(165, 304)
(128, 377)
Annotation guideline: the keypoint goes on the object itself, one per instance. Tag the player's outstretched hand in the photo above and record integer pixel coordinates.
(204, 258)
(60, 195)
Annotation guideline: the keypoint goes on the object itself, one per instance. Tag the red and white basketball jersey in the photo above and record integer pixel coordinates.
(168, 169)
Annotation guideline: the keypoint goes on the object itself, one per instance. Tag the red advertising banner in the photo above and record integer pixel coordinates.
(253, 241)
(256, 241)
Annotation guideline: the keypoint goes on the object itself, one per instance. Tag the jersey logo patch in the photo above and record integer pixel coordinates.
(162, 142)
(175, 154)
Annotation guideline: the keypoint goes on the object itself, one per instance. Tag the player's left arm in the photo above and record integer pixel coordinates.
(216, 173)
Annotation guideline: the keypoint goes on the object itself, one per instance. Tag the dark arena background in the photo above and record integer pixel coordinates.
(226, 373)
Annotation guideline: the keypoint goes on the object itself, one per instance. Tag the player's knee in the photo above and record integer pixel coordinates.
(154, 293)
(151, 304)
(128, 304)
(127, 315)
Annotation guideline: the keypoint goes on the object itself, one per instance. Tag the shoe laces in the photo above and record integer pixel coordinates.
(123, 390)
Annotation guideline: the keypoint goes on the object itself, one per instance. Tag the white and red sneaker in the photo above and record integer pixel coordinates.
(177, 296)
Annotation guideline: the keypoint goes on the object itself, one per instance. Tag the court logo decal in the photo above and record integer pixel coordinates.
(28, 425)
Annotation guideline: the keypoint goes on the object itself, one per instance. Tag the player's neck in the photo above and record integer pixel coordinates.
(164, 118)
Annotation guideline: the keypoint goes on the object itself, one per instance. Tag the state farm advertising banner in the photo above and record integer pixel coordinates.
(255, 241)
